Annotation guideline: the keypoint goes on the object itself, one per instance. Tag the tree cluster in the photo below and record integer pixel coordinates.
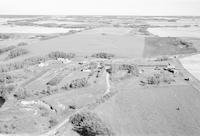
(89, 124)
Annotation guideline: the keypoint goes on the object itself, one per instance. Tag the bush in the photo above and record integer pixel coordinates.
(78, 83)
(4, 36)
(159, 78)
(89, 124)
(34, 60)
(21, 64)
(185, 43)
(167, 79)
(103, 55)
(4, 78)
(162, 58)
(10, 89)
(58, 54)
(66, 87)
(152, 80)
(131, 69)
(56, 80)
(11, 66)
(6, 90)
(44, 92)
(6, 49)
(22, 44)
(51, 90)
(73, 107)
(2, 100)
(93, 65)
(21, 93)
(17, 52)
(71, 55)
(52, 122)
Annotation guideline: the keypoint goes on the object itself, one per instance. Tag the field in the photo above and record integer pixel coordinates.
(98, 75)
(191, 63)
(91, 41)
(164, 110)
(155, 46)
(46, 102)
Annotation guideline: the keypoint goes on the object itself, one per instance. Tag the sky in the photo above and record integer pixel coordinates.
(101, 7)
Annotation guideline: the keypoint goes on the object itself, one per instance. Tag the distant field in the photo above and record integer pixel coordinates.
(92, 41)
(111, 40)
(186, 31)
(155, 46)
(196, 42)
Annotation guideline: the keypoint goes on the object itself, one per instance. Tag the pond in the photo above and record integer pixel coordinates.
(59, 22)
(178, 23)
(33, 29)
(5, 20)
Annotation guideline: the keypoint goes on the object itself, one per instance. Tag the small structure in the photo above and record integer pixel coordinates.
(63, 60)
(108, 69)
(141, 71)
(39, 103)
(61, 106)
(73, 107)
(143, 83)
(186, 79)
(83, 62)
(43, 64)
(86, 70)
(170, 68)
(156, 68)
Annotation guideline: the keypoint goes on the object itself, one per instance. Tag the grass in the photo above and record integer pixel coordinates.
(6, 49)
(103, 55)
(5, 36)
(22, 44)
(17, 52)
(32, 60)
(21, 64)
(161, 77)
(122, 71)
(59, 54)
(6, 90)
(77, 83)
(162, 46)
(5, 78)
(55, 81)
(21, 93)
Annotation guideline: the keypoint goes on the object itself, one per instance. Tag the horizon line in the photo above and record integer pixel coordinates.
(98, 15)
